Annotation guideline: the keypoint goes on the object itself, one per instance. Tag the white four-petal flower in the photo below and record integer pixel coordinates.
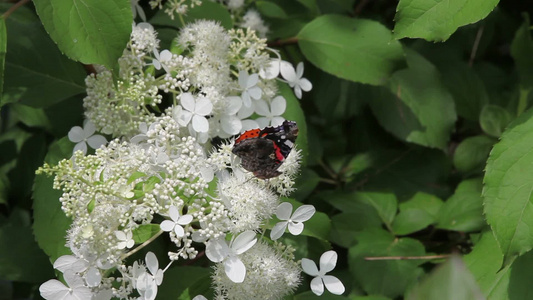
(84, 136)
(125, 239)
(177, 221)
(294, 78)
(75, 289)
(146, 283)
(194, 110)
(250, 89)
(217, 250)
(162, 59)
(294, 221)
(328, 260)
(271, 116)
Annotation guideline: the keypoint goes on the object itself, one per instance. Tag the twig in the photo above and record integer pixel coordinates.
(148, 241)
(476, 45)
(407, 257)
(14, 7)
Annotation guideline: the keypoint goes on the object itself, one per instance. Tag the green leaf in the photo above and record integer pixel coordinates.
(521, 49)
(494, 119)
(485, 262)
(20, 257)
(436, 20)
(345, 226)
(418, 109)
(385, 205)
(468, 90)
(309, 295)
(416, 213)
(144, 232)
(508, 185)
(3, 50)
(450, 281)
(270, 9)
(472, 153)
(29, 158)
(521, 271)
(385, 277)
(306, 182)
(36, 73)
(295, 113)
(51, 225)
(463, 210)
(355, 49)
(32, 117)
(94, 32)
(178, 279)
(209, 10)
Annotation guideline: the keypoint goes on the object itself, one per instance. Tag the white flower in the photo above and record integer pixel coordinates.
(70, 263)
(218, 251)
(252, 19)
(229, 122)
(271, 70)
(125, 239)
(194, 110)
(295, 79)
(271, 115)
(294, 221)
(162, 59)
(84, 136)
(147, 283)
(328, 260)
(177, 221)
(74, 290)
(250, 89)
(199, 297)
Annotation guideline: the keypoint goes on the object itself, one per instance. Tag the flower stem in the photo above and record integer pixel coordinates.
(14, 7)
(148, 241)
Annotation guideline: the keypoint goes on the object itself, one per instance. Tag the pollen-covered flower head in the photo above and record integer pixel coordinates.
(249, 203)
(269, 275)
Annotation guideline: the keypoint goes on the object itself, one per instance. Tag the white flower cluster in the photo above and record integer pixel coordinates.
(159, 176)
(215, 85)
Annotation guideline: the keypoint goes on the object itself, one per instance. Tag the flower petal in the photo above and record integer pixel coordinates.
(333, 284)
(244, 241)
(96, 141)
(305, 84)
(246, 101)
(300, 69)
(261, 108)
(73, 280)
(234, 103)
(328, 260)
(75, 134)
(245, 111)
(66, 262)
(88, 129)
(203, 106)
(235, 269)
(179, 231)
(80, 146)
(230, 124)
(271, 70)
(276, 121)
(243, 79)
(287, 71)
(263, 122)
(309, 267)
(187, 101)
(173, 213)
(249, 124)
(167, 225)
(255, 92)
(185, 219)
(120, 235)
(296, 228)
(200, 124)
(298, 91)
(284, 211)
(303, 213)
(217, 250)
(278, 106)
(93, 277)
(278, 230)
(184, 118)
(252, 80)
(151, 262)
(53, 289)
(165, 56)
(317, 286)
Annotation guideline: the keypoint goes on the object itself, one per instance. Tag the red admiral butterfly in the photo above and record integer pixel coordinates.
(262, 151)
